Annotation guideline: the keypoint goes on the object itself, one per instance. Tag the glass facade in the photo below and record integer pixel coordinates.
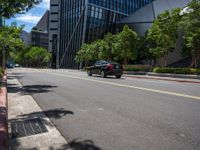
(83, 21)
(39, 38)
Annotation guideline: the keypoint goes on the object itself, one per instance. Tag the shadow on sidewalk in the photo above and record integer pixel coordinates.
(75, 144)
(52, 114)
(42, 115)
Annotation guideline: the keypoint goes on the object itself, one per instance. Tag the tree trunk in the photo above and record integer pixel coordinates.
(125, 62)
(164, 61)
(1, 60)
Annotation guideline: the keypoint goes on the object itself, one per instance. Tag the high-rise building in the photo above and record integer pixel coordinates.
(39, 34)
(74, 22)
(83, 21)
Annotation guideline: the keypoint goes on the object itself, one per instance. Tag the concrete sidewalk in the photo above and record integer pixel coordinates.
(22, 107)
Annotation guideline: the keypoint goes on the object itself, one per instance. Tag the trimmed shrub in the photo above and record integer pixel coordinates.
(192, 71)
(144, 68)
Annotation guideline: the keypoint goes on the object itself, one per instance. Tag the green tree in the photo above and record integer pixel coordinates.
(190, 24)
(9, 41)
(163, 34)
(9, 8)
(125, 49)
(107, 47)
(84, 54)
(37, 56)
(143, 49)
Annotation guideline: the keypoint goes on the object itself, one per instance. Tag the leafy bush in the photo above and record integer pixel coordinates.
(177, 70)
(144, 68)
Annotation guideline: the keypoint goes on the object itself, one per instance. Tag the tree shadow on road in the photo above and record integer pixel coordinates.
(83, 145)
(108, 77)
(73, 145)
(30, 89)
(78, 145)
(52, 113)
(16, 76)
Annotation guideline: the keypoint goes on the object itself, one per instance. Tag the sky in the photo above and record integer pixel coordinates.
(30, 18)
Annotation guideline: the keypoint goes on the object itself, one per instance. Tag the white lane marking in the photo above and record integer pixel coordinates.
(129, 86)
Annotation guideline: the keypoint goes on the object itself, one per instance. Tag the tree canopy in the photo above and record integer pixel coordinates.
(126, 45)
(163, 34)
(9, 40)
(9, 8)
(120, 47)
(190, 24)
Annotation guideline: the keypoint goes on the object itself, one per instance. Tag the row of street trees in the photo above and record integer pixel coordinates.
(156, 44)
(162, 36)
(9, 41)
(31, 56)
(11, 46)
(121, 47)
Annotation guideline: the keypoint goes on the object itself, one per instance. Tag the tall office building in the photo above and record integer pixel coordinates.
(39, 34)
(74, 22)
(83, 21)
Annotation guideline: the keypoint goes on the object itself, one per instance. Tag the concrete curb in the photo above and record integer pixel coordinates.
(151, 74)
(164, 79)
(174, 75)
(3, 116)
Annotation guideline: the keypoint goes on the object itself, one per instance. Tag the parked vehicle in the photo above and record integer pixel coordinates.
(17, 65)
(9, 65)
(105, 68)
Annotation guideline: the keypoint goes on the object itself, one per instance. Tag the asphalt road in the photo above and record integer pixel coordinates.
(117, 114)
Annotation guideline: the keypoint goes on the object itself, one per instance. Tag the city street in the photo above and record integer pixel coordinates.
(117, 114)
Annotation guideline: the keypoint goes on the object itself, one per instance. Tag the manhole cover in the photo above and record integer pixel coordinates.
(27, 127)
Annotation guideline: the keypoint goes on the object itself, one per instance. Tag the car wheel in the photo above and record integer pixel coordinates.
(118, 76)
(89, 72)
(103, 75)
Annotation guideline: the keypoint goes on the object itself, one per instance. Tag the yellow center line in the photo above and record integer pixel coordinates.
(129, 86)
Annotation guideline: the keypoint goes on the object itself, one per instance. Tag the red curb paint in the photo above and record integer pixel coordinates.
(3, 118)
(183, 81)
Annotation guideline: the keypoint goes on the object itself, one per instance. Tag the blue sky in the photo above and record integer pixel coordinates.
(30, 18)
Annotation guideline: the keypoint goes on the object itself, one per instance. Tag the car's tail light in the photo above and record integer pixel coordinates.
(110, 66)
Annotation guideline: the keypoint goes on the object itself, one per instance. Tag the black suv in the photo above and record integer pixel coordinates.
(105, 68)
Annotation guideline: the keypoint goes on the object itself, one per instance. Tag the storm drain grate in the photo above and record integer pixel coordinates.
(27, 128)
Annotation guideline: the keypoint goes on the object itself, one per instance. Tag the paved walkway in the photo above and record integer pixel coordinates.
(21, 106)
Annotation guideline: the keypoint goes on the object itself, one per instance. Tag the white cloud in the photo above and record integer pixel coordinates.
(29, 18)
(44, 4)
(186, 10)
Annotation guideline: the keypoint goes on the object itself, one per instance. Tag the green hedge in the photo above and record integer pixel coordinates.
(192, 71)
(144, 68)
